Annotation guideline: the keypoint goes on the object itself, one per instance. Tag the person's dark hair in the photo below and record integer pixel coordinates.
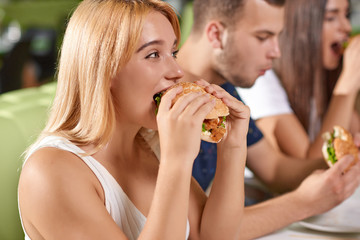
(227, 11)
(300, 67)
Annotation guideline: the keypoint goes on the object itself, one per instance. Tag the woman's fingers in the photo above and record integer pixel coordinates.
(202, 82)
(193, 99)
(199, 107)
(180, 125)
(192, 107)
(357, 139)
(191, 103)
(166, 100)
(236, 107)
(216, 90)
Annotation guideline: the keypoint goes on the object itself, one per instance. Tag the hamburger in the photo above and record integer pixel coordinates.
(214, 125)
(337, 144)
(341, 47)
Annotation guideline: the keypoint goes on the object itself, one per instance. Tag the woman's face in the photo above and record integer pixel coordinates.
(336, 29)
(151, 69)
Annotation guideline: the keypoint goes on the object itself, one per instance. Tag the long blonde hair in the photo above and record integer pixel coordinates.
(100, 39)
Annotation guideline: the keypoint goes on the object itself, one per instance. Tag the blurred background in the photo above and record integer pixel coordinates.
(355, 15)
(31, 32)
(30, 36)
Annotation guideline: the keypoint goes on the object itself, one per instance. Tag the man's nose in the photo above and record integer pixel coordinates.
(275, 51)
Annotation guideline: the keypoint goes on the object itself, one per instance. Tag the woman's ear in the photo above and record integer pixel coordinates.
(216, 34)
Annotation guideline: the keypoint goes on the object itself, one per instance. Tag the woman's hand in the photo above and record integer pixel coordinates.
(357, 139)
(349, 81)
(180, 125)
(238, 120)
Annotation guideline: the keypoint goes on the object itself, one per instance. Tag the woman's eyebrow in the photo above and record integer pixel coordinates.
(155, 42)
(331, 10)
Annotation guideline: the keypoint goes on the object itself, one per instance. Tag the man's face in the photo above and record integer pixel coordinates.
(251, 44)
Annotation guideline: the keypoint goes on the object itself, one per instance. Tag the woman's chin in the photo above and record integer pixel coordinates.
(331, 64)
(151, 125)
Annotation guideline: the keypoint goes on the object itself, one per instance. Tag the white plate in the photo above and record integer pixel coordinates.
(344, 218)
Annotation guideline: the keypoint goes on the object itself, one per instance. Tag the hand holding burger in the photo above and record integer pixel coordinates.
(214, 125)
(348, 82)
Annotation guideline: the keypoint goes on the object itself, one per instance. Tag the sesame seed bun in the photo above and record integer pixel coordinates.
(220, 108)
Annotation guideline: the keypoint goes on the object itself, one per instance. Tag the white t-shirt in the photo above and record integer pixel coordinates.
(266, 98)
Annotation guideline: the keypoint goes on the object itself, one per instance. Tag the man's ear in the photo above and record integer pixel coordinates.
(216, 34)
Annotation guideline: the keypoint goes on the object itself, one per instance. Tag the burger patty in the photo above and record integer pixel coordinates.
(211, 123)
(216, 127)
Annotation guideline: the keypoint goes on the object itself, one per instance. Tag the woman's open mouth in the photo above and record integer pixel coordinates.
(337, 48)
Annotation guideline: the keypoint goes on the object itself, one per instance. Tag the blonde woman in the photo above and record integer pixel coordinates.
(94, 173)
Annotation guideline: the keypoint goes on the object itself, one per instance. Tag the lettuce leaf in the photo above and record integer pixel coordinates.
(331, 150)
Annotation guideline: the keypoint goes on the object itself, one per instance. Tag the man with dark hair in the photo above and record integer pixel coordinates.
(233, 42)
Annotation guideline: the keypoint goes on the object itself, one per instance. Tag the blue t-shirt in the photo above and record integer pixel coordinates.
(205, 163)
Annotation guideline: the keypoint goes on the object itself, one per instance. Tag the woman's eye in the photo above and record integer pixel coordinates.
(330, 18)
(153, 55)
(348, 15)
(175, 53)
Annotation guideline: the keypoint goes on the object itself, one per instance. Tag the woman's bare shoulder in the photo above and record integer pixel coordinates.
(50, 160)
(57, 188)
(52, 170)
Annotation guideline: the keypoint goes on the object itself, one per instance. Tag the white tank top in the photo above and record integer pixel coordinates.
(119, 206)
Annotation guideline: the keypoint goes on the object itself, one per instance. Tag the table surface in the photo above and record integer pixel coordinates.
(296, 231)
(346, 214)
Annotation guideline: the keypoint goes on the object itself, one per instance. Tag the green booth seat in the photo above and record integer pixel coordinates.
(23, 113)
(10, 163)
(21, 96)
(27, 95)
(5, 104)
(186, 21)
(49, 88)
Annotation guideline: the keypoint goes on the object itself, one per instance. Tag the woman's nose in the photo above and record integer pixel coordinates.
(174, 71)
(346, 25)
